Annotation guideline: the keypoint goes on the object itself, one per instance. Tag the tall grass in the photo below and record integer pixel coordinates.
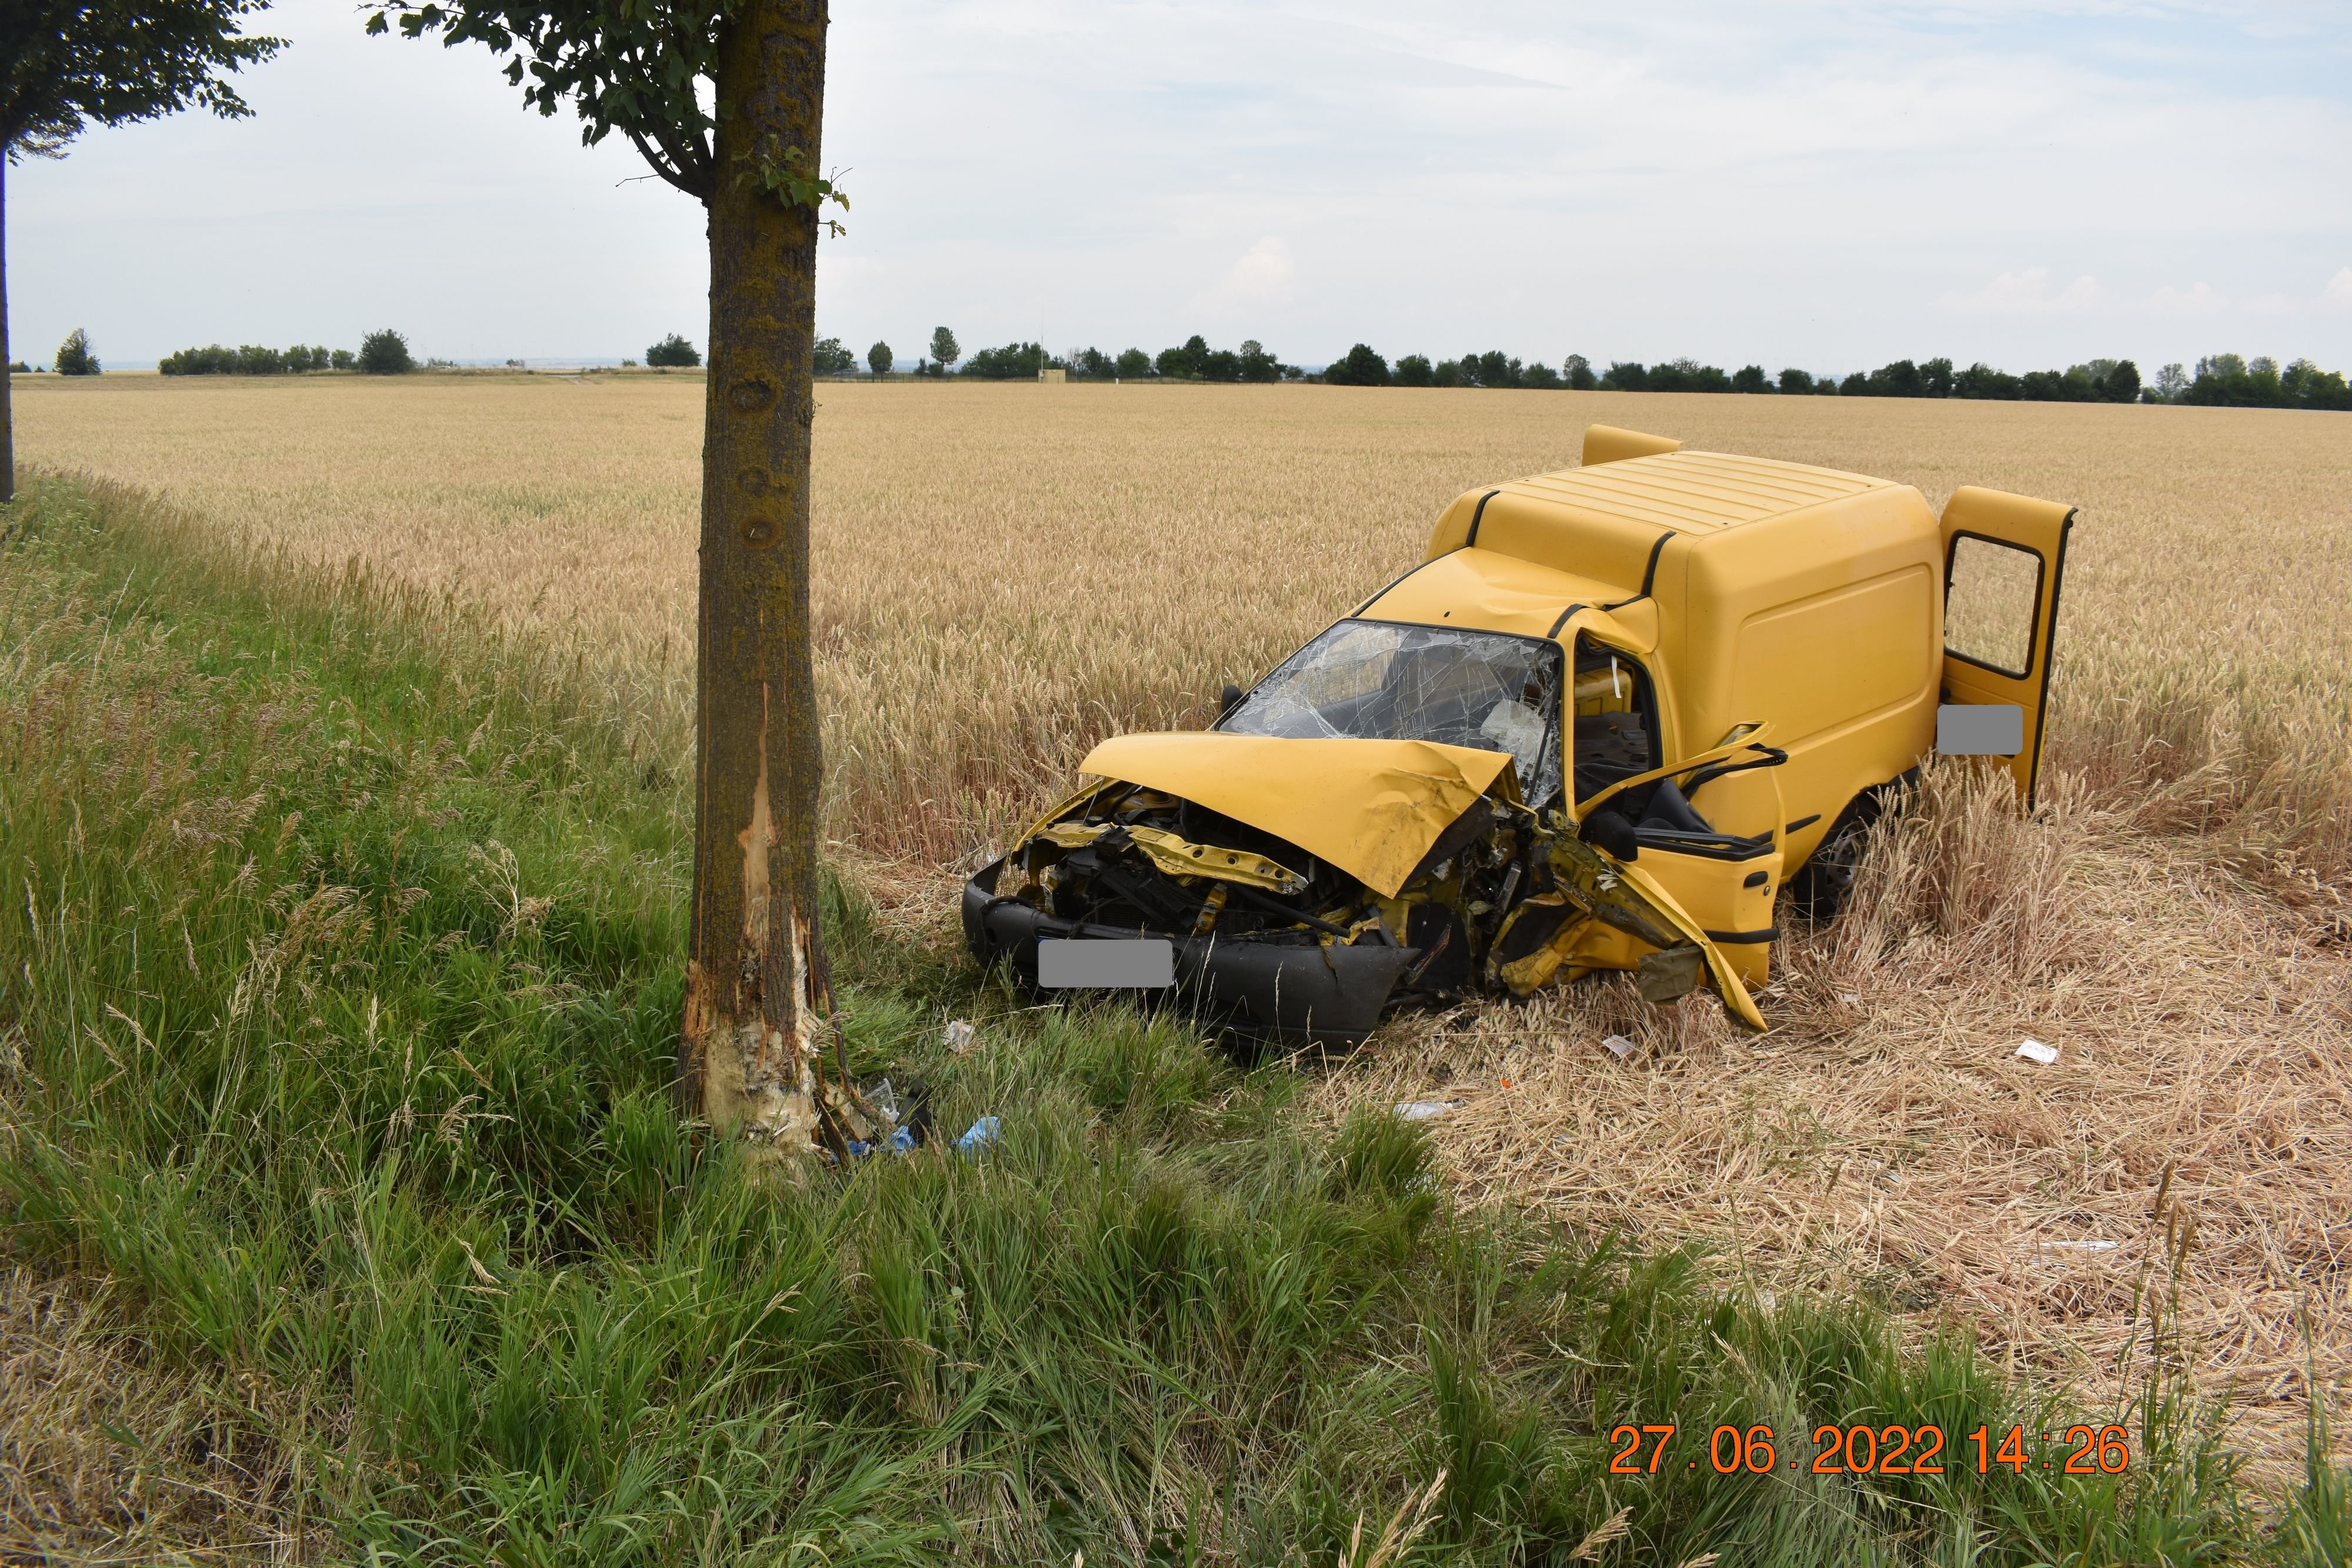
(339, 964)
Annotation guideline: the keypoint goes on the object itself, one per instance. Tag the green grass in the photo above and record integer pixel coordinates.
(339, 967)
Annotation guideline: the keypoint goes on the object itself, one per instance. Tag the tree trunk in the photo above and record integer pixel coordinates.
(7, 377)
(759, 1003)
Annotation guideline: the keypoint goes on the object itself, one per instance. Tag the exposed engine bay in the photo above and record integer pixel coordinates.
(1353, 836)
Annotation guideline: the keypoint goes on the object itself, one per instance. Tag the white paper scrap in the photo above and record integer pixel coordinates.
(1620, 1047)
(960, 1036)
(1424, 1110)
(2034, 1050)
(2080, 1246)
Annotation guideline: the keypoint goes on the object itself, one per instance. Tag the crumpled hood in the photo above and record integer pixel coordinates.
(1373, 808)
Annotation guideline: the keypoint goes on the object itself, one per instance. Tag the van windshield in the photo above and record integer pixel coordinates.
(1377, 680)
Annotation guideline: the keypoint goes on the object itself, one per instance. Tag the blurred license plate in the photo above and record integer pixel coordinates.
(1144, 963)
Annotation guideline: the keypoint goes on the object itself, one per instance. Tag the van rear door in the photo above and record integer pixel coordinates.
(2003, 559)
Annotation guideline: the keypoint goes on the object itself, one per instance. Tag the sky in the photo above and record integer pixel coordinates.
(1812, 183)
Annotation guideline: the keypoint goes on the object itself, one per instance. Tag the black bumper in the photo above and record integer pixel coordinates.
(1327, 996)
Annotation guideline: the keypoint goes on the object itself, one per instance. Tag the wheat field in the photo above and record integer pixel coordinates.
(1006, 573)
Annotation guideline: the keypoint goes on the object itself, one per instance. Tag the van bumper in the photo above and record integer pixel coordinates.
(1309, 994)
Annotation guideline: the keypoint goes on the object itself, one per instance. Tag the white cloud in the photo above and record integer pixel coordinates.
(2192, 303)
(2337, 295)
(2029, 293)
(1261, 280)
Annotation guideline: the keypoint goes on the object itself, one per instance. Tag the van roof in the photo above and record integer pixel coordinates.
(1693, 490)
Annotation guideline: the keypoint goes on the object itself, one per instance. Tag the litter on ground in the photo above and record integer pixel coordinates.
(2034, 1050)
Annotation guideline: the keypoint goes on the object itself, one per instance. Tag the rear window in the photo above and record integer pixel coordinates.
(1379, 680)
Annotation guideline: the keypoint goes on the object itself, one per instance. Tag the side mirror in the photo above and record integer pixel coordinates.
(1612, 833)
(1228, 699)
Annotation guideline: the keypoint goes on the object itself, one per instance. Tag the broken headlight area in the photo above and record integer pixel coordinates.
(1272, 940)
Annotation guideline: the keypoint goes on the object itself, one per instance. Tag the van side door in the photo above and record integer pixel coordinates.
(2004, 557)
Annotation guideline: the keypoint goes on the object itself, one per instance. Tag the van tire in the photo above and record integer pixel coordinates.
(1819, 889)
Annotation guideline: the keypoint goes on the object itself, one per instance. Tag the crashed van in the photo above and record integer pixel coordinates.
(1613, 716)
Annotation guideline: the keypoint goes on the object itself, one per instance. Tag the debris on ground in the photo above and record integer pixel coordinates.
(1424, 1110)
(962, 1036)
(980, 1135)
(2034, 1050)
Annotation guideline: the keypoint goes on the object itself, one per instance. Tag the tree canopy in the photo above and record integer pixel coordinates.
(64, 63)
(622, 65)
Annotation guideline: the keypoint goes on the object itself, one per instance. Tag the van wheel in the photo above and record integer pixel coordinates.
(1818, 890)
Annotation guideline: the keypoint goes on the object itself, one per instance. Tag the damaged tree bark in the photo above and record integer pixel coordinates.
(758, 1000)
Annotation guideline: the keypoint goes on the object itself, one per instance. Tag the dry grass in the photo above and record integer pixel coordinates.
(1886, 1133)
(1007, 573)
(105, 1458)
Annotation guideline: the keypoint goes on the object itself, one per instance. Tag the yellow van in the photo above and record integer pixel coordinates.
(1612, 715)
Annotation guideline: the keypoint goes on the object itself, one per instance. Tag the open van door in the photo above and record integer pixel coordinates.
(2004, 557)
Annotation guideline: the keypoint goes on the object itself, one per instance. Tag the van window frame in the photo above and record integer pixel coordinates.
(2034, 629)
(1643, 672)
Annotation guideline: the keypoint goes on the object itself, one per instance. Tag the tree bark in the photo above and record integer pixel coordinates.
(7, 377)
(759, 1003)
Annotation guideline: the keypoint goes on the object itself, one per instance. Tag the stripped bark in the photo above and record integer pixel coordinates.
(759, 1001)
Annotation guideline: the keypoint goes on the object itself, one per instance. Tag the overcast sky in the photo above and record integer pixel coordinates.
(1827, 185)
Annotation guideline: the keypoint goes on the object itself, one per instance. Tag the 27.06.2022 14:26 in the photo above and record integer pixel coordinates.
(1862, 1449)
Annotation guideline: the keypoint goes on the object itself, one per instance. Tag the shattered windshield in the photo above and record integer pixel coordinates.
(1376, 680)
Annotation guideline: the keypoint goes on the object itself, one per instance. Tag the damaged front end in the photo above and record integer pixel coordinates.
(1307, 884)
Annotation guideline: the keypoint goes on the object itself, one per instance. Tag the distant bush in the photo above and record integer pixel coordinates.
(74, 355)
(1982, 381)
(2229, 380)
(1797, 384)
(253, 359)
(20, 367)
(830, 359)
(877, 358)
(214, 360)
(1577, 370)
(1750, 379)
(343, 359)
(386, 353)
(1360, 367)
(1015, 362)
(673, 352)
(1687, 375)
(1413, 371)
(1134, 365)
(1491, 369)
(1540, 376)
(1625, 375)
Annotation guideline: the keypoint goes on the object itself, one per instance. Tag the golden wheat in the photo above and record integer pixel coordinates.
(1007, 573)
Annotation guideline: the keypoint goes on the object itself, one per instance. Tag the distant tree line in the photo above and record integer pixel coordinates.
(381, 353)
(2222, 378)
(1192, 361)
(2228, 380)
